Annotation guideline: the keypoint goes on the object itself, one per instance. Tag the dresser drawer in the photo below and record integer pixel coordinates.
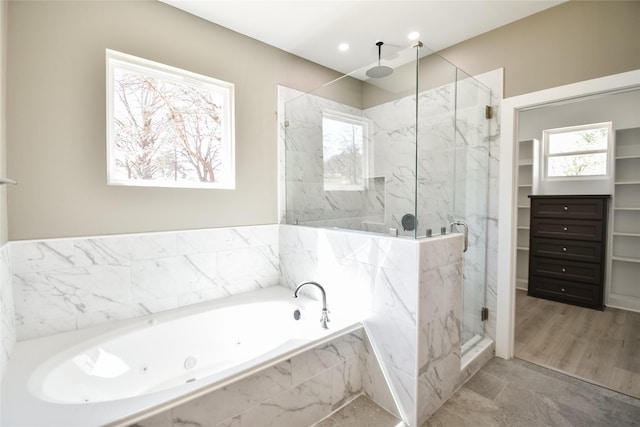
(568, 270)
(575, 250)
(568, 208)
(558, 290)
(566, 229)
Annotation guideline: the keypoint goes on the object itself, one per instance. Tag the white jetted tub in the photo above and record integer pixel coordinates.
(112, 374)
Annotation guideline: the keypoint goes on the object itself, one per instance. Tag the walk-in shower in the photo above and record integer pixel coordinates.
(405, 154)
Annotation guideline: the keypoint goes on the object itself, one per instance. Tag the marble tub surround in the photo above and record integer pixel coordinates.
(300, 391)
(66, 284)
(410, 294)
(407, 291)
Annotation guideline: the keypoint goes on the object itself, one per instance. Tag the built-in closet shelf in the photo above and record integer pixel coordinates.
(524, 185)
(626, 259)
(626, 208)
(622, 233)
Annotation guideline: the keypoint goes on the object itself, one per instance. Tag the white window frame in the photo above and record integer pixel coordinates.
(366, 150)
(608, 151)
(225, 177)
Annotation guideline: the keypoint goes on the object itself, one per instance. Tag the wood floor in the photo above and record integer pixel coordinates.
(602, 347)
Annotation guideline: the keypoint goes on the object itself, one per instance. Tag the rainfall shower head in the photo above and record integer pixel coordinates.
(379, 70)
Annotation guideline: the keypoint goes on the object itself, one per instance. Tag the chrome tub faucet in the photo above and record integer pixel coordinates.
(324, 318)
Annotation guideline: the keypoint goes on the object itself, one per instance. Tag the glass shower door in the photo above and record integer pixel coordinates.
(471, 194)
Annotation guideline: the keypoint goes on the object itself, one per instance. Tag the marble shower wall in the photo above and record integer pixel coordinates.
(375, 275)
(410, 294)
(471, 193)
(72, 283)
(306, 201)
(392, 163)
(439, 323)
(453, 174)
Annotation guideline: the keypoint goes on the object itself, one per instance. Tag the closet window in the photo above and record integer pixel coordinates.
(577, 151)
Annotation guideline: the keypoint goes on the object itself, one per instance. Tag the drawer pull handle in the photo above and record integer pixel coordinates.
(564, 249)
(562, 289)
(565, 228)
(566, 208)
(564, 270)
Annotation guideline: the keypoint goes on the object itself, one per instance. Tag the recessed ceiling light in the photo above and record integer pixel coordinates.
(414, 35)
(343, 47)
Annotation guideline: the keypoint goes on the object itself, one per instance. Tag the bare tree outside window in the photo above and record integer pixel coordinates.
(168, 127)
(577, 151)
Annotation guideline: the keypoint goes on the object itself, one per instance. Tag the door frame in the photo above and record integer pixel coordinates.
(506, 289)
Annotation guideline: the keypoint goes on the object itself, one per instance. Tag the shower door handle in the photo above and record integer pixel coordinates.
(466, 232)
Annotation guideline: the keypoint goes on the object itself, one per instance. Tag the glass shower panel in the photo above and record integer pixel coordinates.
(471, 175)
(350, 151)
(328, 163)
(436, 142)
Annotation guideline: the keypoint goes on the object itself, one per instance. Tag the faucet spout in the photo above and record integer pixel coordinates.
(324, 318)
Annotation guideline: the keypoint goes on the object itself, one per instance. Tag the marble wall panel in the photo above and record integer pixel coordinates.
(301, 153)
(66, 284)
(297, 392)
(377, 275)
(439, 323)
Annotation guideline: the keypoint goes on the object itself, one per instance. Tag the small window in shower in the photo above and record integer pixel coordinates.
(167, 127)
(344, 152)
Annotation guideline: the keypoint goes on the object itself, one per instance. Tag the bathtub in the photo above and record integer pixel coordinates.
(120, 373)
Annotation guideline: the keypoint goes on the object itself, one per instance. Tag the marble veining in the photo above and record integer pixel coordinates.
(455, 177)
(296, 392)
(66, 284)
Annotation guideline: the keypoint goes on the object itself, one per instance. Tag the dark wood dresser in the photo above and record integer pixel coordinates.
(567, 243)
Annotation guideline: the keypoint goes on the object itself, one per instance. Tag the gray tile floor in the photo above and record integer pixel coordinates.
(510, 393)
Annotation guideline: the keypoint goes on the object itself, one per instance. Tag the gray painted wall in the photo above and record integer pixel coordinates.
(56, 102)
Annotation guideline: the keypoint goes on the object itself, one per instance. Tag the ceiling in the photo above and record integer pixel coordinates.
(313, 29)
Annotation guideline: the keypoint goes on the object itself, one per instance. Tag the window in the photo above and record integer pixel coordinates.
(344, 151)
(167, 127)
(579, 151)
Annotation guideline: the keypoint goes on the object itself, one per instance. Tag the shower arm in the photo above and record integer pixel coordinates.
(466, 232)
